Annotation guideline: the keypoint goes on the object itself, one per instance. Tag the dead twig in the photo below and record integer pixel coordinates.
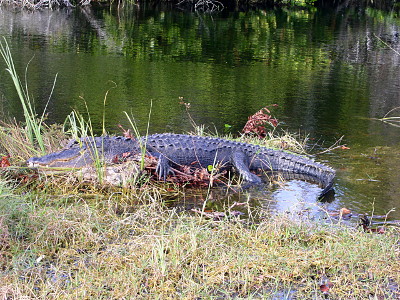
(208, 6)
(336, 145)
(386, 44)
(393, 121)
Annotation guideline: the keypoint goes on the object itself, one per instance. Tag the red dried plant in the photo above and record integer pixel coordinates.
(4, 162)
(256, 123)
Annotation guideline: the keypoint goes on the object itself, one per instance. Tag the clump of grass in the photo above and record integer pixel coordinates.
(34, 125)
(141, 140)
(284, 140)
(15, 142)
(120, 248)
(76, 126)
(80, 129)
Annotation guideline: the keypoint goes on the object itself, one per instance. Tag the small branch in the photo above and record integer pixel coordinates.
(389, 120)
(203, 5)
(387, 45)
(386, 115)
(336, 145)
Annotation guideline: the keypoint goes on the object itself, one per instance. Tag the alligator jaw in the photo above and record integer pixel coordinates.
(57, 159)
(37, 164)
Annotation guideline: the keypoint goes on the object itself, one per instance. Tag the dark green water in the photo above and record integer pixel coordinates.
(326, 69)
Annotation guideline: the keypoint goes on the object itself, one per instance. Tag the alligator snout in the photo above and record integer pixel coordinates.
(33, 162)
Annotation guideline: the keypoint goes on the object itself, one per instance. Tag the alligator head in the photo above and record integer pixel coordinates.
(84, 152)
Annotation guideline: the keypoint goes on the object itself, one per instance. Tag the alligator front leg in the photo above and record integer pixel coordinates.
(163, 168)
(241, 163)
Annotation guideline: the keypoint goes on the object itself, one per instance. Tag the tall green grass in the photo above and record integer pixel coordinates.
(142, 142)
(76, 126)
(80, 128)
(34, 125)
(82, 131)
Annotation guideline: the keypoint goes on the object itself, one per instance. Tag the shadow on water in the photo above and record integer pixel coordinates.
(330, 72)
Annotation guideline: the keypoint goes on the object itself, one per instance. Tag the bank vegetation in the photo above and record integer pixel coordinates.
(119, 246)
(201, 5)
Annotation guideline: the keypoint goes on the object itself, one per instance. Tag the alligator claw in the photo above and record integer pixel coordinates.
(240, 161)
(163, 168)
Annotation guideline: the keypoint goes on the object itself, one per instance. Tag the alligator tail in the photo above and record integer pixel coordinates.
(306, 167)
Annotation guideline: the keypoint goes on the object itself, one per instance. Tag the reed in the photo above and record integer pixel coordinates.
(39, 4)
(76, 126)
(142, 141)
(81, 129)
(34, 125)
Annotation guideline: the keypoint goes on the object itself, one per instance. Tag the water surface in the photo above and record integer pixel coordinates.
(330, 72)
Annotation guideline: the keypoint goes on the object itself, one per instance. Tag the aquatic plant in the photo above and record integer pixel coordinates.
(76, 126)
(79, 129)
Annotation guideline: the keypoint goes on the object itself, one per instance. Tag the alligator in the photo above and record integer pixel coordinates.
(174, 150)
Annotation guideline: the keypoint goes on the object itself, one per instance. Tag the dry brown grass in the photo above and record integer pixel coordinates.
(15, 143)
(59, 247)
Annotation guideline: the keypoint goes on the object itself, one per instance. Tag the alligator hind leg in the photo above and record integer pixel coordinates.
(241, 163)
